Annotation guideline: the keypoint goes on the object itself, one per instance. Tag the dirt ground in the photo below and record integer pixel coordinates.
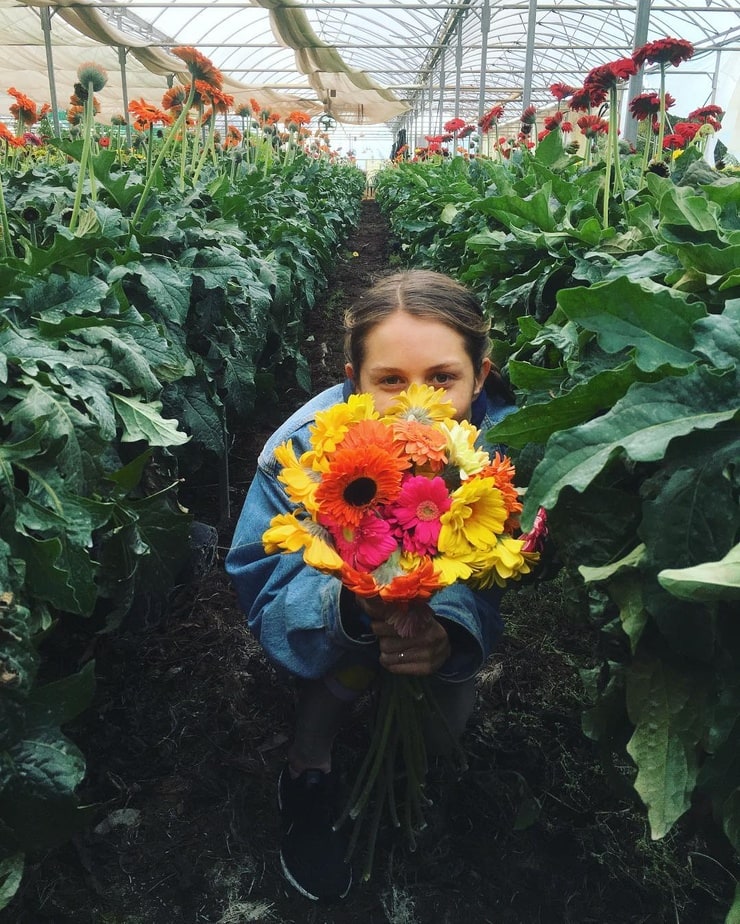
(190, 726)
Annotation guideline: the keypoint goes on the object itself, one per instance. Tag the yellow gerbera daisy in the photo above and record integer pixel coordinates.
(461, 449)
(288, 533)
(475, 519)
(503, 562)
(331, 425)
(423, 404)
(299, 479)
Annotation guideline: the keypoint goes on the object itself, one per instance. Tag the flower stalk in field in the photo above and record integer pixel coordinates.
(603, 81)
(663, 52)
(646, 108)
(92, 78)
(201, 69)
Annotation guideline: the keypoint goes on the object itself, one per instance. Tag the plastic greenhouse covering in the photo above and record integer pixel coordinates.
(399, 64)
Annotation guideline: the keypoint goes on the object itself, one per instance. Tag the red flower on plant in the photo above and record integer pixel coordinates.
(561, 90)
(104, 142)
(566, 127)
(454, 125)
(592, 125)
(581, 100)
(687, 130)
(606, 76)
(490, 118)
(673, 142)
(664, 51)
(707, 113)
(648, 104)
(528, 116)
(553, 121)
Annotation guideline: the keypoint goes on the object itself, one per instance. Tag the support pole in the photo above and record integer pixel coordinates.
(634, 88)
(45, 13)
(485, 28)
(529, 59)
(124, 91)
(458, 67)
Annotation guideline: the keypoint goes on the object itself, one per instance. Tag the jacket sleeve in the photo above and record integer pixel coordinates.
(291, 608)
(474, 625)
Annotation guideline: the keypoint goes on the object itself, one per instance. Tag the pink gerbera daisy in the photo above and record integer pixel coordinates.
(366, 545)
(416, 513)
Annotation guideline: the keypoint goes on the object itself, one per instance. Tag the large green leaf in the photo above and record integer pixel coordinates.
(143, 421)
(536, 422)
(652, 320)
(640, 426)
(11, 872)
(711, 580)
(665, 704)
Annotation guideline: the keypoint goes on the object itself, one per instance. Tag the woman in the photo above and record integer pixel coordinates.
(412, 327)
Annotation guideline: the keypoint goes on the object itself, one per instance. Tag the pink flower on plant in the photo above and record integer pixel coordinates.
(416, 513)
(366, 545)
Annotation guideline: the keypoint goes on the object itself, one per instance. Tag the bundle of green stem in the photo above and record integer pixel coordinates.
(396, 763)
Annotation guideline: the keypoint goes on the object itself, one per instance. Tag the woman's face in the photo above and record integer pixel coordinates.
(403, 350)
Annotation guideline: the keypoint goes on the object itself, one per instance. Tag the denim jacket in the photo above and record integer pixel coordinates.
(293, 609)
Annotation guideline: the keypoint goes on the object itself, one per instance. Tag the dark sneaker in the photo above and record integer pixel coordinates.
(312, 853)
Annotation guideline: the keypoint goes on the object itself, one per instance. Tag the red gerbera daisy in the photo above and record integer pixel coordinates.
(665, 51)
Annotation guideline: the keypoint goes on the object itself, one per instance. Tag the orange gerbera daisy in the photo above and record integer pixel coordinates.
(298, 118)
(147, 114)
(425, 445)
(200, 67)
(24, 109)
(418, 584)
(7, 135)
(501, 469)
(357, 479)
(364, 433)
(175, 98)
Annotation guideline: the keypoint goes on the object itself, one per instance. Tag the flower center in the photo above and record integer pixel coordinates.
(427, 510)
(360, 492)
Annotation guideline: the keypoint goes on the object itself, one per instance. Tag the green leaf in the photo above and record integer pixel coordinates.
(712, 580)
(63, 700)
(536, 422)
(652, 320)
(665, 704)
(11, 873)
(56, 297)
(640, 426)
(143, 421)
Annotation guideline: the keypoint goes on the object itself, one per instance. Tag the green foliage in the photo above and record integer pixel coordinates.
(623, 345)
(128, 350)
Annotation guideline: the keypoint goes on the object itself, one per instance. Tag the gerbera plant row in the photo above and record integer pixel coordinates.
(144, 311)
(611, 280)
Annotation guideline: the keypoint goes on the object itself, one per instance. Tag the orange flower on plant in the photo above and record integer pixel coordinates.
(200, 67)
(298, 117)
(147, 115)
(233, 137)
(24, 109)
(175, 98)
(501, 469)
(359, 478)
(8, 136)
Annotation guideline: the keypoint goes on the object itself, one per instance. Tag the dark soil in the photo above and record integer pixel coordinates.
(190, 726)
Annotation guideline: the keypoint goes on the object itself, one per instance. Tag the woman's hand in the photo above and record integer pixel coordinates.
(420, 654)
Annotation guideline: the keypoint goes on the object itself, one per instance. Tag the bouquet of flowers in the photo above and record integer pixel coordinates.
(399, 506)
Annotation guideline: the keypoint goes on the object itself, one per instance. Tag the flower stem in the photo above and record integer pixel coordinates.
(4, 226)
(84, 158)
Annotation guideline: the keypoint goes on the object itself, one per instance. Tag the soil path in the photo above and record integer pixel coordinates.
(189, 729)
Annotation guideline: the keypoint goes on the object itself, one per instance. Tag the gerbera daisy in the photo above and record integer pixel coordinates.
(664, 51)
(489, 119)
(365, 546)
(501, 469)
(200, 67)
(476, 517)
(300, 480)
(561, 90)
(289, 533)
(647, 105)
(462, 453)
(358, 479)
(422, 403)
(705, 113)
(503, 562)
(454, 125)
(423, 444)
(592, 125)
(416, 513)
(331, 425)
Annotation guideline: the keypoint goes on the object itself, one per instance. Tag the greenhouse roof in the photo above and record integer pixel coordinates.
(360, 61)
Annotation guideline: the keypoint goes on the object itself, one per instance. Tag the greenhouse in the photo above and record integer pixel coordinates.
(369, 461)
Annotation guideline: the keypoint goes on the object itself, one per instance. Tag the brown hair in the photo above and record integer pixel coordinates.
(423, 294)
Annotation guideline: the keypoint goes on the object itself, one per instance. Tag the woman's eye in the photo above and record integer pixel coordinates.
(442, 378)
(391, 380)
